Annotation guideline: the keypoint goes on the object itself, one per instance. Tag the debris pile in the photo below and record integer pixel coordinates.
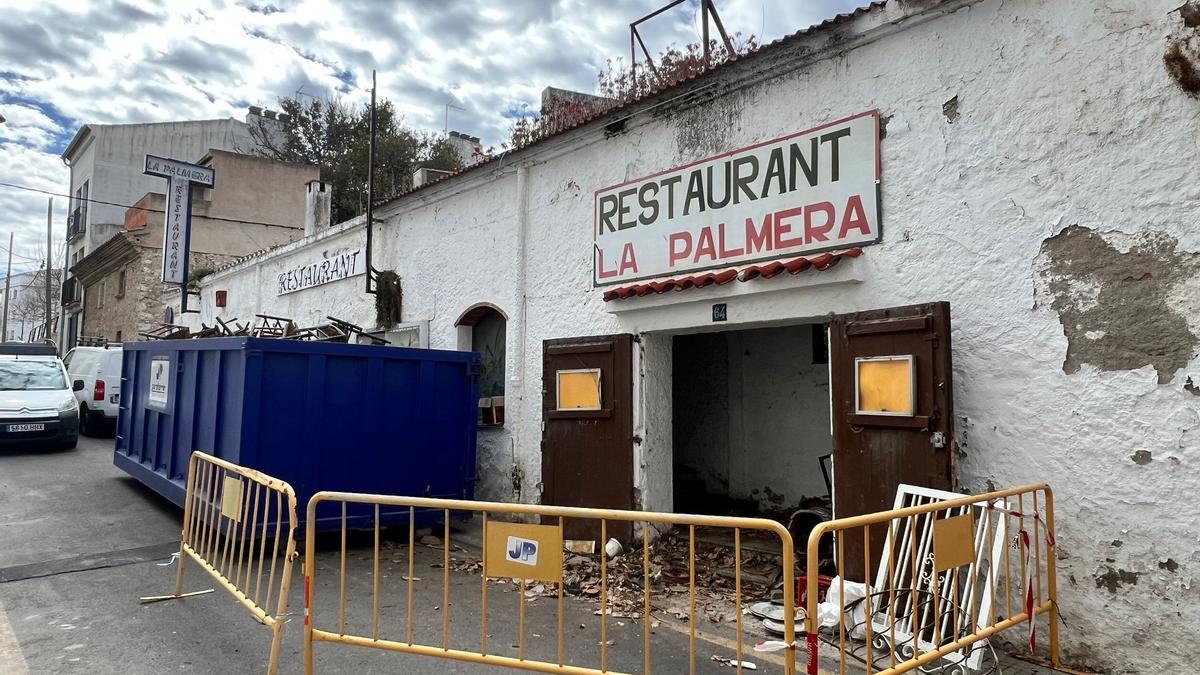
(669, 576)
(267, 326)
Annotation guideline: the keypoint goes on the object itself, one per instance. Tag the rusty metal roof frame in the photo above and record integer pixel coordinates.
(707, 7)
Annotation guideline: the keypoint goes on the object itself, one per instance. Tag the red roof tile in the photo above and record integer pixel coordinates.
(819, 262)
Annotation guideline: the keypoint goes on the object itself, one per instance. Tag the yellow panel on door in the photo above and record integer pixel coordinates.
(579, 389)
(885, 385)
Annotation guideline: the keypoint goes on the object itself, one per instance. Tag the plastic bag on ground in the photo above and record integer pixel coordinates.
(829, 612)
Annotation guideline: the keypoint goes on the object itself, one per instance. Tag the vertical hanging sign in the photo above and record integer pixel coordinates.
(177, 228)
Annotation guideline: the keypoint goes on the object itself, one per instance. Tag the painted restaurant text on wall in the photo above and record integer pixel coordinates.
(812, 191)
(334, 268)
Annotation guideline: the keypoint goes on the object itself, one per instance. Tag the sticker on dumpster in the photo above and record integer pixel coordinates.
(521, 551)
(159, 390)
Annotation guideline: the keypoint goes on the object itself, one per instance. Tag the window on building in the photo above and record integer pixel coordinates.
(119, 336)
(121, 284)
(100, 294)
(482, 329)
(83, 204)
(72, 331)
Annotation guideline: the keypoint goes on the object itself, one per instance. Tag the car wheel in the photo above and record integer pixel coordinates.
(85, 424)
(70, 445)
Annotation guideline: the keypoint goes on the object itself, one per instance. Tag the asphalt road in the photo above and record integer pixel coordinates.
(80, 542)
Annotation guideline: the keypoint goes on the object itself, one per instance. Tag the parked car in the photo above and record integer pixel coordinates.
(95, 374)
(37, 405)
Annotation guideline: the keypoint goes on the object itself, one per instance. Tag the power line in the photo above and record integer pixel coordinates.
(24, 258)
(38, 258)
(139, 208)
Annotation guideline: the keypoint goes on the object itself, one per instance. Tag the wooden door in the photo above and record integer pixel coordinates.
(876, 448)
(587, 446)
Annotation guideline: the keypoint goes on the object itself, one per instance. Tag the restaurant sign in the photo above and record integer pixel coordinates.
(808, 192)
(177, 228)
(334, 268)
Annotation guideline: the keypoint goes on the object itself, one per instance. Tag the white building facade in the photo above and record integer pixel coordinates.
(1037, 173)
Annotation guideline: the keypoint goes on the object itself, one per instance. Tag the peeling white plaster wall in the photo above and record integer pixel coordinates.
(1065, 115)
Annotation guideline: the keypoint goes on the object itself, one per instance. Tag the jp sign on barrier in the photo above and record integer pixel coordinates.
(942, 574)
(233, 528)
(526, 553)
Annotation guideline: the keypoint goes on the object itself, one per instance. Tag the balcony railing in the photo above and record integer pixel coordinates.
(71, 292)
(76, 223)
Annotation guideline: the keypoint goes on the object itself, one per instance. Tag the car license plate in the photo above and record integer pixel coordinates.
(26, 427)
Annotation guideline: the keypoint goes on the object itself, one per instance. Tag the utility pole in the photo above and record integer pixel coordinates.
(49, 264)
(7, 279)
(371, 186)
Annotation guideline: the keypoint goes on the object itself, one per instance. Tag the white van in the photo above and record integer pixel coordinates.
(99, 369)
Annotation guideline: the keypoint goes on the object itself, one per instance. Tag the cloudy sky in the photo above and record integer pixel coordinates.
(64, 63)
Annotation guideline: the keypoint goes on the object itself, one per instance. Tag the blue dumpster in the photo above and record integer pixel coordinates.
(320, 415)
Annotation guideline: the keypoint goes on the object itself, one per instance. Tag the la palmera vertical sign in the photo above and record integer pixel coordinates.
(177, 227)
(812, 191)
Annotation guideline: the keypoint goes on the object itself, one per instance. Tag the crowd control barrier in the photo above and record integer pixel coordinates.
(529, 553)
(940, 573)
(239, 526)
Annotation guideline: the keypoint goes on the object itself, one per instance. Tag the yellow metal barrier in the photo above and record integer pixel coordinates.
(233, 521)
(528, 552)
(948, 574)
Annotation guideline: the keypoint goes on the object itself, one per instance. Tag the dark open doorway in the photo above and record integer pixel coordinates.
(751, 420)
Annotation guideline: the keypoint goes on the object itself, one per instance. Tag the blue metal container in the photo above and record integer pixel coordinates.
(320, 415)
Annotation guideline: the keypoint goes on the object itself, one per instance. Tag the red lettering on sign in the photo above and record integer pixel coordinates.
(818, 232)
(628, 260)
(727, 252)
(758, 239)
(782, 227)
(855, 217)
(604, 274)
(676, 254)
(705, 245)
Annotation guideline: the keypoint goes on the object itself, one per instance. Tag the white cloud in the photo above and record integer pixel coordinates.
(68, 62)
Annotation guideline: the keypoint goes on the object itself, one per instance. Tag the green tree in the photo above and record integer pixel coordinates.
(335, 137)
